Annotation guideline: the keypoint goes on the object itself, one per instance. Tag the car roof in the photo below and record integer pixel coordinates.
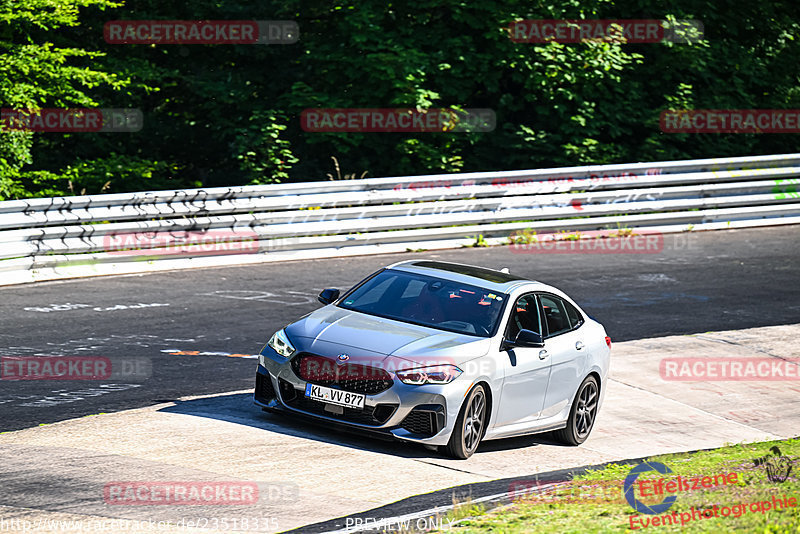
(466, 274)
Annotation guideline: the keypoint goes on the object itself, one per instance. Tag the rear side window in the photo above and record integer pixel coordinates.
(555, 315)
(575, 318)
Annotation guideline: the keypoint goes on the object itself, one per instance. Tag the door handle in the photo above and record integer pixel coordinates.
(579, 345)
(543, 354)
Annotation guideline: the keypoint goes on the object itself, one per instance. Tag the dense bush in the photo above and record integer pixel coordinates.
(229, 114)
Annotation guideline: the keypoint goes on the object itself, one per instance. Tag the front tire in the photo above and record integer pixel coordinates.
(470, 425)
(582, 414)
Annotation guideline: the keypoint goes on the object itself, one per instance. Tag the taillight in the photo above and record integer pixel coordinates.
(608, 342)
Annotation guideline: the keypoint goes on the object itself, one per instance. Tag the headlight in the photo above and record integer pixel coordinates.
(280, 343)
(435, 374)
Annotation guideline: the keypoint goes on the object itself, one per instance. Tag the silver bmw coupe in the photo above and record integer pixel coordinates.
(442, 354)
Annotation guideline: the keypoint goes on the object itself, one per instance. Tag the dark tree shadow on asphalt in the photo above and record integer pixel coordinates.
(238, 408)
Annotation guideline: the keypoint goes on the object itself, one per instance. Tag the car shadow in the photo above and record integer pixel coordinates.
(238, 408)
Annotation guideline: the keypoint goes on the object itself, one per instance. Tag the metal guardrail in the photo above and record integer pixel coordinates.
(103, 234)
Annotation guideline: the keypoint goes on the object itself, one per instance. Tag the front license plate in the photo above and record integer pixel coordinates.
(335, 396)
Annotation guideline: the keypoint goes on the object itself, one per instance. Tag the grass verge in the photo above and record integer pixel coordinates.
(595, 502)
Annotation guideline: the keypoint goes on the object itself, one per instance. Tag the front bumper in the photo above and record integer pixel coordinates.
(422, 414)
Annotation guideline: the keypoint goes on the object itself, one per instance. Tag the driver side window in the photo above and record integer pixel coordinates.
(524, 315)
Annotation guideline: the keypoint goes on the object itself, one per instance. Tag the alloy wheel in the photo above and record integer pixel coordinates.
(474, 420)
(586, 411)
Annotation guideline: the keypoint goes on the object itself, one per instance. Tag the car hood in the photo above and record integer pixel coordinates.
(363, 333)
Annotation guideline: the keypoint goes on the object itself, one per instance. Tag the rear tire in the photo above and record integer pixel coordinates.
(582, 414)
(470, 425)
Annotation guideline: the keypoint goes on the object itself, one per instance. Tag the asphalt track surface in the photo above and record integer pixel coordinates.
(185, 332)
(308, 475)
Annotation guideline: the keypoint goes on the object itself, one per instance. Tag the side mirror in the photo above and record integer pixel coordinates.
(526, 338)
(328, 295)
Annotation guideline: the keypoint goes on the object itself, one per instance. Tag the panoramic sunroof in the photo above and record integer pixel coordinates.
(478, 272)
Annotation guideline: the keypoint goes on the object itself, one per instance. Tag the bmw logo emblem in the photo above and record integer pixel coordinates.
(342, 358)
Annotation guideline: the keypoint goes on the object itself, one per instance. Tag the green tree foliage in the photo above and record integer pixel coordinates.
(36, 73)
(230, 114)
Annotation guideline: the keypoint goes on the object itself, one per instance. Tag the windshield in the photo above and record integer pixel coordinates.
(428, 301)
